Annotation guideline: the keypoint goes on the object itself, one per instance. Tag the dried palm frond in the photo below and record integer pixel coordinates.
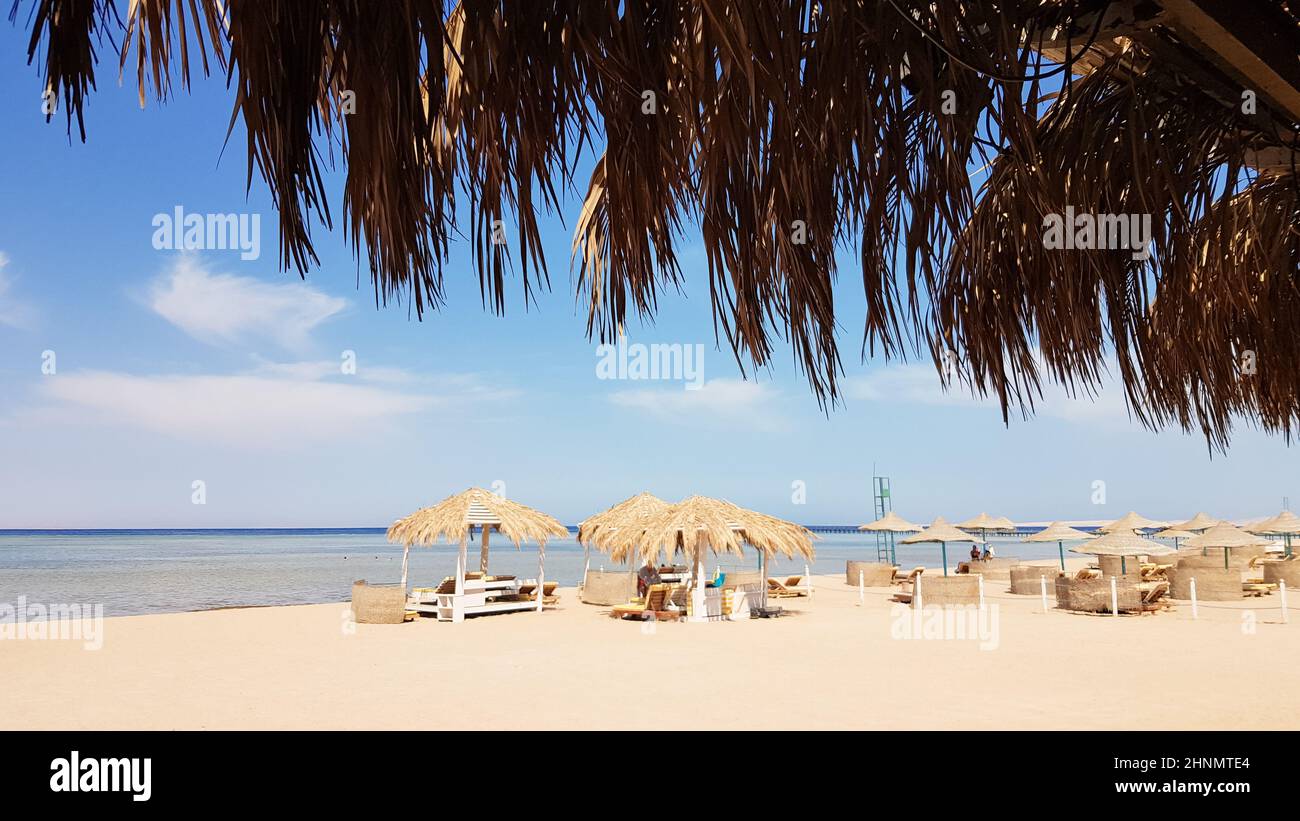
(788, 131)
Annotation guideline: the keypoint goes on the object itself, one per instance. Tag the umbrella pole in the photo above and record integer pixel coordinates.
(406, 558)
(586, 563)
(762, 566)
(944, 547)
(1060, 548)
(1225, 558)
(483, 550)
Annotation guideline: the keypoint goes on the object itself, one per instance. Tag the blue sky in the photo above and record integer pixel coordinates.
(175, 367)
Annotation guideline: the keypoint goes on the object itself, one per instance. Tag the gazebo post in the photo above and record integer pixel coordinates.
(460, 564)
(541, 574)
(944, 547)
(697, 592)
(483, 550)
(1060, 548)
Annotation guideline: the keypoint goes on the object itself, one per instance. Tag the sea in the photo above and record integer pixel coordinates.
(133, 572)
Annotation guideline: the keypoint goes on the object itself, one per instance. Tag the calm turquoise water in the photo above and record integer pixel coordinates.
(132, 572)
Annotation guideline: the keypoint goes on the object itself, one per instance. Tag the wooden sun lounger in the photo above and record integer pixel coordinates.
(788, 589)
(652, 607)
(1155, 598)
(1088, 573)
(910, 578)
(1257, 589)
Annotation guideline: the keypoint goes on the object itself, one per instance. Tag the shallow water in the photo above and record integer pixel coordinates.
(134, 572)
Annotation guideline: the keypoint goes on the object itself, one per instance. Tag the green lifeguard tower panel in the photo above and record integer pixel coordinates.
(883, 505)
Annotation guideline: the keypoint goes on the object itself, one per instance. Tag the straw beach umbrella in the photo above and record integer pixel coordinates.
(1131, 522)
(1200, 522)
(890, 523)
(699, 524)
(1060, 533)
(1123, 543)
(984, 523)
(454, 517)
(1175, 533)
(598, 530)
(1285, 524)
(1227, 537)
(942, 532)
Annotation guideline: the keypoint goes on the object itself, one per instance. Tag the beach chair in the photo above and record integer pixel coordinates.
(652, 607)
(1155, 599)
(910, 578)
(787, 589)
(529, 591)
(1257, 588)
(1089, 573)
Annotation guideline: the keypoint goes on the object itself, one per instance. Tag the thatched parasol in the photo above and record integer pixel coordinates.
(453, 518)
(1175, 533)
(601, 529)
(1201, 521)
(942, 532)
(892, 524)
(1123, 543)
(1285, 524)
(1227, 537)
(706, 111)
(1131, 522)
(698, 524)
(1060, 533)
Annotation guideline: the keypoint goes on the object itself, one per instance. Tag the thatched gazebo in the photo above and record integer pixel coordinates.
(942, 532)
(1175, 533)
(747, 118)
(1060, 533)
(699, 524)
(601, 529)
(984, 523)
(453, 518)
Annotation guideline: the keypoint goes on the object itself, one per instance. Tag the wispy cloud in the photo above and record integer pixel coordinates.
(919, 384)
(13, 312)
(733, 401)
(223, 309)
(280, 404)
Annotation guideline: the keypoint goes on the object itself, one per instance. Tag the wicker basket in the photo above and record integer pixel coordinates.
(1025, 579)
(945, 590)
(378, 603)
(1212, 583)
(1093, 595)
(874, 574)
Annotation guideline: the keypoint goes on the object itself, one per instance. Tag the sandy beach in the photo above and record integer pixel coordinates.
(832, 664)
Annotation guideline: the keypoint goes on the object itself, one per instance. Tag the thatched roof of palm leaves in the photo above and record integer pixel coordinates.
(1173, 533)
(891, 522)
(1122, 543)
(452, 518)
(790, 130)
(599, 529)
(718, 525)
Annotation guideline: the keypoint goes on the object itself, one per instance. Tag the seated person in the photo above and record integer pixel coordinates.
(974, 553)
(645, 577)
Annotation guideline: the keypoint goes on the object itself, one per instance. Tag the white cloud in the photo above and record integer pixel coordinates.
(244, 409)
(734, 401)
(223, 309)
(919, 384)
(13, 313)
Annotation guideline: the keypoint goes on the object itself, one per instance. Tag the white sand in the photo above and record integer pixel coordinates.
(832, 664)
